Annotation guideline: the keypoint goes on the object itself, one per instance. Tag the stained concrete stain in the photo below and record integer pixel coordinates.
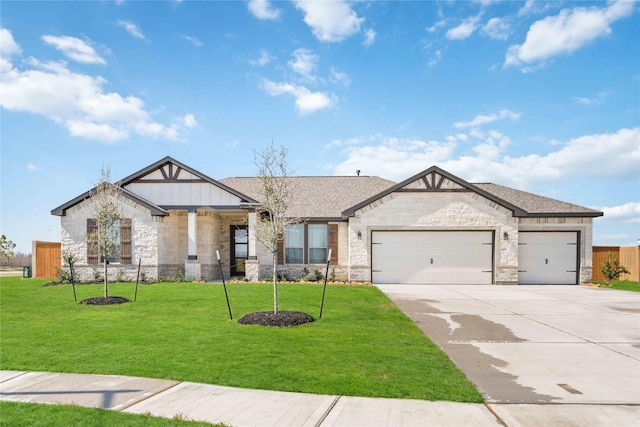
(482, 369)
(632, 310)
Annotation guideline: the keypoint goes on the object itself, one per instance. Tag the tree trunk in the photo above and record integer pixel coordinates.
(275, 281)
(106, 281)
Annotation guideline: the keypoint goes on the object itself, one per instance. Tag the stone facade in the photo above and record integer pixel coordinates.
(430, 211)
(144, 241)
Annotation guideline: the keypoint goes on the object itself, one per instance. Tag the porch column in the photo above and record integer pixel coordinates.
(252, 265)
(192, 266)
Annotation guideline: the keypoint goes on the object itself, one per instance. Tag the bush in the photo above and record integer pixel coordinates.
(611, 269)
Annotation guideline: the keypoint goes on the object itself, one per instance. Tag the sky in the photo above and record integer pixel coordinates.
(542, 96)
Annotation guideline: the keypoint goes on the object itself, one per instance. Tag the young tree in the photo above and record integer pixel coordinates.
(104, 239)
(6, 248)
(611, 268)
(275, 192)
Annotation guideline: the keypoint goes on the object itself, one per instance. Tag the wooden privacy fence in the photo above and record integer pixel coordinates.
(628, 256)
(46, 258)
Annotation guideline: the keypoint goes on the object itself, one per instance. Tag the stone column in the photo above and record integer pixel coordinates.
(192, 266)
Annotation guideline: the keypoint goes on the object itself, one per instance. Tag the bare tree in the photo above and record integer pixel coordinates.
(105, 237)
(275, 196)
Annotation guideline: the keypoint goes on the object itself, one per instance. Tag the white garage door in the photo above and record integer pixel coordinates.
(464, 257)
(547, 258)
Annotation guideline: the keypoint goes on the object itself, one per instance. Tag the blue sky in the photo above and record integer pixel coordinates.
(540, 96)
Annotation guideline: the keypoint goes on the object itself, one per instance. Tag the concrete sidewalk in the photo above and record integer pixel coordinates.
(243, 407)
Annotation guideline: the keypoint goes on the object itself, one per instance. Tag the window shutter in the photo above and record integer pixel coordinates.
(280, 246)
(92, 250)
(125, 241)
(332, 231)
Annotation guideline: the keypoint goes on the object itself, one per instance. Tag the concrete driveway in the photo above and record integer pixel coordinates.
(534, 344)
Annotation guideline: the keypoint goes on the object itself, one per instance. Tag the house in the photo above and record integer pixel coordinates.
(430, 228)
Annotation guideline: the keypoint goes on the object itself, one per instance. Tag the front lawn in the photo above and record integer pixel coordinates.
(362, 346)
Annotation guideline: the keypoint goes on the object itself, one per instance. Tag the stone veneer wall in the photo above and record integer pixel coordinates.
(583, 225)
(144, 241)
(434, 211)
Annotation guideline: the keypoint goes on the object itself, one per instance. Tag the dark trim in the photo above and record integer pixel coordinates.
(562, 214)
(232, 249)
(253, 257)
(192, 257)
(433, 190)
(433, 170)
(155, 209)
(193, 208)
(168, 180)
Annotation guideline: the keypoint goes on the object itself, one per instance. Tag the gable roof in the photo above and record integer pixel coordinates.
(322, 197)
(158, 166)
(521, 203)
(155, 209)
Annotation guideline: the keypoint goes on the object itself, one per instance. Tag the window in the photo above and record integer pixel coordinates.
(306, 244)
(121, 252)
(317, 243)
(294, 244)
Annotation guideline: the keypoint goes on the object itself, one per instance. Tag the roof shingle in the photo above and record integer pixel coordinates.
(318, 196)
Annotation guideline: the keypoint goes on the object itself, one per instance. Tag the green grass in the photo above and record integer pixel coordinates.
(624, 285)
(363, 345)
(41, 415)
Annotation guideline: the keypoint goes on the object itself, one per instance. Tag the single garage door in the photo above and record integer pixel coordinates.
(414, 257)
(548, 258)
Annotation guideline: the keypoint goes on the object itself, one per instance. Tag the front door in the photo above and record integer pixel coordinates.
(239, 249)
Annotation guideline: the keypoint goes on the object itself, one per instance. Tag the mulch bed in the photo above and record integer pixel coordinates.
(283, 318)
(104, 301)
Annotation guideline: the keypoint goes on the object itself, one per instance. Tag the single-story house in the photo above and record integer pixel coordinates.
(433, 227)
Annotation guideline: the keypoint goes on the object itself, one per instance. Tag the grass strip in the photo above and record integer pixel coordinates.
(41, 415)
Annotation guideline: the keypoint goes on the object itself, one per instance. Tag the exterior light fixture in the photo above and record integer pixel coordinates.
(505, 236)
(359, 235)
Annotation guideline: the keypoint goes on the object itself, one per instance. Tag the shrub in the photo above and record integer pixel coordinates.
(611, 269)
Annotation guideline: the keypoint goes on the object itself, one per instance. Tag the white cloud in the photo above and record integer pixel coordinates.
(75, 49)
(31, 167)
(193, 40)
(330, 21)
(306, 101)
(189, 121)
(497, 28)
(392, 158)
(369, 37)
(304, 63)
(484, 119)
(262, 9)
(435, 59)
(263, 59)
(339, 77)
(8, 46)
(132, 29)
(566, 32)
(80, 103)
(598, 99)
(437, 26)
(629, 211)
(398, 159)
(465, 29)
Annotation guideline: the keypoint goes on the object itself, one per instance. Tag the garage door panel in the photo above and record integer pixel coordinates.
(548, 258)
(432, 257)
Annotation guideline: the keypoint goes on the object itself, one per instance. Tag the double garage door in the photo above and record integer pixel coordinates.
(467, 257)
(463, 257)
